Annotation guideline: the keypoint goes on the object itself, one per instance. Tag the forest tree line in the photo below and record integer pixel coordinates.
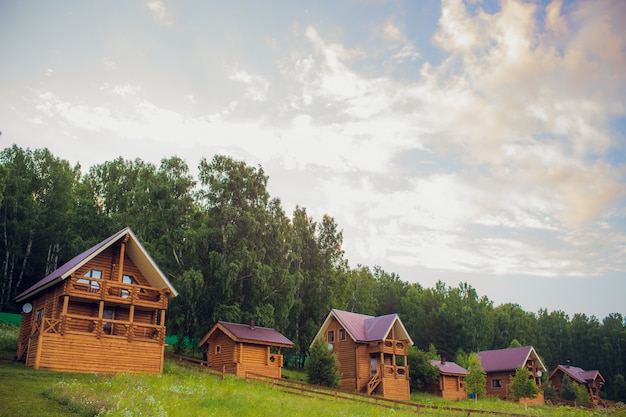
(233, 254)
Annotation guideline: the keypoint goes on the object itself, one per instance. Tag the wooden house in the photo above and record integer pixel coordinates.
(103, 311)
(591, 380)
(240, 348)
(372, 352)
(451, 384)
(501, 364)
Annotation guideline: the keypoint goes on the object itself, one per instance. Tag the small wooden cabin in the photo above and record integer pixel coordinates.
(501, 364)
(240, 348)
(103, 311)
(372, 352)
(451, 384)
(591, 380)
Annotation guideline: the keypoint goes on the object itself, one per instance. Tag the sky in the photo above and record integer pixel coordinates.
(462, 141)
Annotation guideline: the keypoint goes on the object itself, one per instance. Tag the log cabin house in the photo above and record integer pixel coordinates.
(451, 384)
(102, 311)
(240, 348)
(501, 364)
(372, 352)
(591, 380)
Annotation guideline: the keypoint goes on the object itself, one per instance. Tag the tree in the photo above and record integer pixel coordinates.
(421, 372)
(322, 365)
(523, 385)
(476, 377)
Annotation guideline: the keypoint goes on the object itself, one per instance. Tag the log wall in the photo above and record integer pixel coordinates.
(396, 388)
(77, 353)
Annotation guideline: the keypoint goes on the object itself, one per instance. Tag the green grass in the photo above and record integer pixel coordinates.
(183, 391)
(23, 392)
(294, 375)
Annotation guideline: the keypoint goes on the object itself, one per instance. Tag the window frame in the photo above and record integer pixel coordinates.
(342, 334)
(330, 336)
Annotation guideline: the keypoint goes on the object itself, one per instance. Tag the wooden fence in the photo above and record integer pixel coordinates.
(315, 391)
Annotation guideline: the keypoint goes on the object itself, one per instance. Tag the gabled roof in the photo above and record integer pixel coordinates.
(449, 368)
(249, 334)
(363, 328)
(134, 250)
(507, 359)
(578, 374)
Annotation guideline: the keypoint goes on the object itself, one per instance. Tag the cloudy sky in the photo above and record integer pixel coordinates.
(477, 141)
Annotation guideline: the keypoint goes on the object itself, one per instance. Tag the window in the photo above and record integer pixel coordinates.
(39, 315)
(495, 383)
(127, 279)
(342, 334)
(95, 274)
(331, 336)
(218, 349)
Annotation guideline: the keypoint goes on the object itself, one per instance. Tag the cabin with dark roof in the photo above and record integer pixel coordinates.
(451, 384)
(591, 380)
(501, 364)
(102, 311)
(372, 352)
(241, 348)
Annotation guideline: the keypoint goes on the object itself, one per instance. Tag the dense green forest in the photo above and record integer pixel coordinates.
(234, 254)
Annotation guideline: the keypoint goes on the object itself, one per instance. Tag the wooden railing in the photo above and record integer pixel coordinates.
(395, 372)
(116, 292)
(373, 383)
(392, 347)
(96, 327)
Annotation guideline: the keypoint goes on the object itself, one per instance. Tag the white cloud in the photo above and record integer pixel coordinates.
(513, 124)
(256, 86)
(158, 10)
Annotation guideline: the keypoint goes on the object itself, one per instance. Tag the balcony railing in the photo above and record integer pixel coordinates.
(72, 323)
(116, 292)
(392, 347)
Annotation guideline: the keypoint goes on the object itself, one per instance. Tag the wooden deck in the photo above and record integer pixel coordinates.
(116, 292)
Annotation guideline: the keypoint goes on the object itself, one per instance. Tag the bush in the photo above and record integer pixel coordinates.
(322, 366)
(8, 339)
(574, 392)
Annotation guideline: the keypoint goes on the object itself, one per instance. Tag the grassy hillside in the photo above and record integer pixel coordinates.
(182, 391)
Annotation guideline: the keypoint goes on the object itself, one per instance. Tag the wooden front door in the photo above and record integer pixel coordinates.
(373, 363)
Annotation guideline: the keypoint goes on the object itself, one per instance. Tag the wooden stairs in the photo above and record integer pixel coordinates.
(373, 383)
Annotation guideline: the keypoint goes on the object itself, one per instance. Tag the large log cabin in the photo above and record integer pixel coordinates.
(241, 348)
(501, 364)
(103, 311)
(372, 352)
(451, 383)
(591, 380)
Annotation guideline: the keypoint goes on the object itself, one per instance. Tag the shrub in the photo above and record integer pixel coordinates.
(322, 365)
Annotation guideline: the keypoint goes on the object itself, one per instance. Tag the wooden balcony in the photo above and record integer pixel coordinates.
(98, 328)
(391, 347)
(115, 292)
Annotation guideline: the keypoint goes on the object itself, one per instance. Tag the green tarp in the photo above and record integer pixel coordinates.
(11, 318)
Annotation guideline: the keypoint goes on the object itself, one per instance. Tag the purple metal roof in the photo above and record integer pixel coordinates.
(446, 367)
(142, 258)
(64, 270)
(579, 374)
(263, 335)
(365, 328)
(506, 359)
